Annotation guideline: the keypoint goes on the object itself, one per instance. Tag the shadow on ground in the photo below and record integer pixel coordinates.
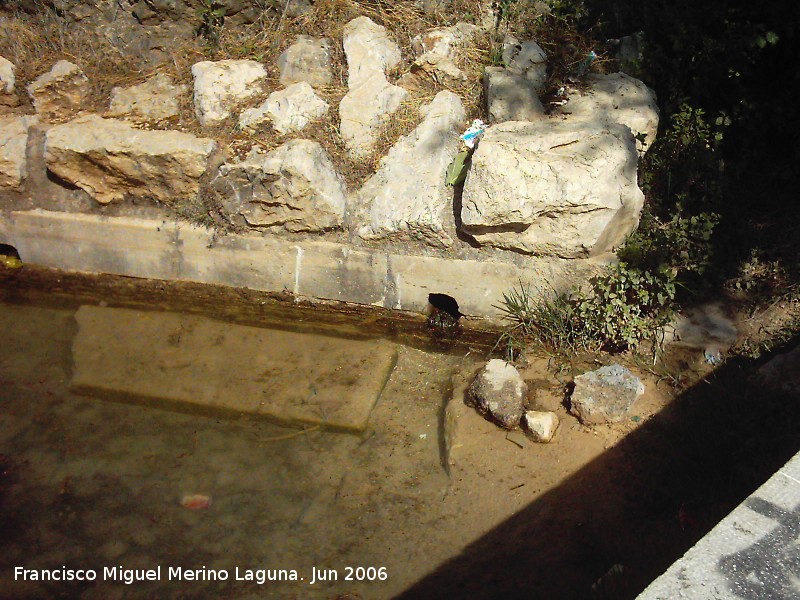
(641, 505)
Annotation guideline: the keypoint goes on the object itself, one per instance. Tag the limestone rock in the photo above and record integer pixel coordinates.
(363, 111)
(294, 187)
(616, 98)
(498, 393)
(444, 41)
(369, 51)
(309, 60)
(437, 49)
(7, 79)
(605, 395)
(13, 145)
(441, 69)
(156, 99)
(540, 425)
(407, 197)
(60, 93)
(220, 86)
(553, 188)
(527, 60)
(371, 98)
(288, 110)
(109, 159)
(510, 97)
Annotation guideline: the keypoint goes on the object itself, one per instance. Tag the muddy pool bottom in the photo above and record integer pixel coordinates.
(243, 501)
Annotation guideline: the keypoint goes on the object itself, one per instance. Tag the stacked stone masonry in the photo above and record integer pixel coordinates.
(547, 196)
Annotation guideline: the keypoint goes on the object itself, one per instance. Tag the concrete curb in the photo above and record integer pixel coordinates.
(751, 553)
(169, 250)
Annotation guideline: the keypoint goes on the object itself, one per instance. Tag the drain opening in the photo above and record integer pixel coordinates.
(9, 257)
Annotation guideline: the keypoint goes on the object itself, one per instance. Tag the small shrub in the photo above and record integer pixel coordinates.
(627, 306)
(623, 308)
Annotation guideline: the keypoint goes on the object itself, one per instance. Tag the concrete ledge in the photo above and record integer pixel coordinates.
(196, 364)
(751, 553)
(160, 249)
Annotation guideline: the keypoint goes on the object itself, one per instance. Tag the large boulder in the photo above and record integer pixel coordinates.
(498, 392)
(295, 187)
(553, 188)
(13, 145)
(605, 395)
(156, 99)
(219, 87)
(407, 198)
(109, 160)
(309, 60)
(60, 93)
(288, 110)
(616, 98)
(371, 98)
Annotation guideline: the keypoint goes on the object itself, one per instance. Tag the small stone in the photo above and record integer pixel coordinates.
(289, 110)
(444, 41)
(498, 393)
(540, 425)
(60, 93)
(156, 99)
(309, 60)
(605, 395)
(220, 86)
(13, 145)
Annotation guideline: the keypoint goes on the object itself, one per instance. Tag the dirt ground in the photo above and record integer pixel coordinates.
(89, 484)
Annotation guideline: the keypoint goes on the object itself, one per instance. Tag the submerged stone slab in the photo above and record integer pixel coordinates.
(193, 363)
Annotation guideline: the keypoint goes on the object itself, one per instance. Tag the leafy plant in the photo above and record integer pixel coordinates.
(212, 18)
(627, 306)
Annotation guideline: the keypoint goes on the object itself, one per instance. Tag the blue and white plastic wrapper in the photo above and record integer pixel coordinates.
(471, 135)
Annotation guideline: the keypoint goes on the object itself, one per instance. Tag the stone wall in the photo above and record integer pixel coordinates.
(546, 199)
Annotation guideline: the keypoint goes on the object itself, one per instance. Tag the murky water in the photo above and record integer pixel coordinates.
(94, 485)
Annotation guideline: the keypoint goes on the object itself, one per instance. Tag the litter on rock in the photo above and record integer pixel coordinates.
(473, 132)
(584, 65)
(196, 501)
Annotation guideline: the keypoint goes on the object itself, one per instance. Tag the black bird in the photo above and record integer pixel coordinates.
(445, 303)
